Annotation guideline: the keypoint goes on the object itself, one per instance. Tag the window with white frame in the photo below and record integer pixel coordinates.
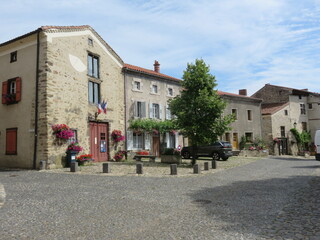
(93, 66)
(154, 88)
(94, 92)
(156, 110)
(172, 140)
(168, 113)
(140, 109)
(138, 140)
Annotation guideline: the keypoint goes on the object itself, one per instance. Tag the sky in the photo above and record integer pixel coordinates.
(247, 43)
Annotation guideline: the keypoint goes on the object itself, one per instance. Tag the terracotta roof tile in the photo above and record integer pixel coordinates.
(271, 108)
(221, 93)
(148, 71)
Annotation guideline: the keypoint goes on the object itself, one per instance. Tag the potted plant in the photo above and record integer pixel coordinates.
(171, 155)
(62, 131)
(118, 157)
(84, 158)
(72, 150)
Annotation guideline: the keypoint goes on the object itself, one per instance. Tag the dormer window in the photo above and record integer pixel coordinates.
(13, 56)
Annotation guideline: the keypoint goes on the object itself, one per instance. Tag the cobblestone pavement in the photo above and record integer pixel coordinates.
(267, 199)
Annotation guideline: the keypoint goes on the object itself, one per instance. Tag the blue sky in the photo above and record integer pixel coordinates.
(247, 43)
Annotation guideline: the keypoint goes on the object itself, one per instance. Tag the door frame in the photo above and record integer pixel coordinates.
(107, 136)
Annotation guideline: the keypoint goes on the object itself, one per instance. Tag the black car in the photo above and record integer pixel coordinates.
(216, 150)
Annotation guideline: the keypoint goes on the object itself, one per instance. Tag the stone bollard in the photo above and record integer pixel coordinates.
(206, 166)
(105, 168)
(43, 165)
(214, 164)
(74, 167)
(173, 169)
(139, 168)
(196, 169)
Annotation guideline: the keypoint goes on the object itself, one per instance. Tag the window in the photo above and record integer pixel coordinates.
(310, 106)
(140, 109)
(234, 112)
(155, 111)
(172, 140)
(11, 141)
(90, 42)
(11, 91)
(228, 137)
(170, 91)
(249, 112)
(249, 137)
(302, 108)
(300, 97)
(94, 92)
(286, 112)
(74, 138)
(168, 113)
(304, 126)
(138, 140)
(154, 89)
(283, 131)
(137, 85)
(93, 66)
(13, 56)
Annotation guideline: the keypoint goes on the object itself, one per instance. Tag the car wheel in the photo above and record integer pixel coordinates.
(215, 156)
(186, 155)
(225, 159)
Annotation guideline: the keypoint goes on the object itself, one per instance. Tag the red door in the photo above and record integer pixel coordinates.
(156, 146)
(99, 141)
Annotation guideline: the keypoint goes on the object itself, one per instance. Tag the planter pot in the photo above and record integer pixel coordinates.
(171, 159)
(71, 157)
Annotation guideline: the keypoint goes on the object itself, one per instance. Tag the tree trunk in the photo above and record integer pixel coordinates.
(194, 154)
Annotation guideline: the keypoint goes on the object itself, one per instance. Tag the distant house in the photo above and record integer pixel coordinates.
(284, 108)
(147, 94)
(57, 75)
(247, 112)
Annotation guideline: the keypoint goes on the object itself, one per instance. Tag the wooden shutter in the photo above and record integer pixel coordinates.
(135, 109)
(143, 109)
(11, 141)
(18, 89)
(160, 111)
(167, 140)
(147, 141)
(129, 140)
(151, 111)
(4, 92)
(177, 139)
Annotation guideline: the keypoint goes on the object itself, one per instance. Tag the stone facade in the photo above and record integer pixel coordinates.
(248, 118)
(139, 84)
(63, 93)
(286, 108)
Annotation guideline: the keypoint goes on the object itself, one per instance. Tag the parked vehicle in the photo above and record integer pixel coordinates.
(216, 150)
(317, 144)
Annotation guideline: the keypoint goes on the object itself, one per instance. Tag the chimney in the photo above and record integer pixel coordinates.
(156, 66)
(243, 92)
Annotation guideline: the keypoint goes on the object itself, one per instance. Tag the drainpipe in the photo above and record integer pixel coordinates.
(125, 108)
(36, 102)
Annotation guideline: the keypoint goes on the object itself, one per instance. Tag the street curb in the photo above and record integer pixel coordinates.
(2, 195)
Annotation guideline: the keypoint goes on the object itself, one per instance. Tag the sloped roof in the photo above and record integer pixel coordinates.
(292, 90)
(149, 72)
(271, 108)
(65, 29)
(221, 93)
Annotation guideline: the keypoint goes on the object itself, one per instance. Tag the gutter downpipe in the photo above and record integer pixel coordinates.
(125, 107)
(36, 102)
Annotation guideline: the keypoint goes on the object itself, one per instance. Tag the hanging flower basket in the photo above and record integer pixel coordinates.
(117, 136)
(74, 147)
(62, 131)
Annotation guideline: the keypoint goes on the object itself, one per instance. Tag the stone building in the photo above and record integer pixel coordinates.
(285, 108)
(57, 75)
(147, 95)
(247, 111)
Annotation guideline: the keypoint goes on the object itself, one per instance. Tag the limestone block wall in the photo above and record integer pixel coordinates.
(67, 90)
(272, 94)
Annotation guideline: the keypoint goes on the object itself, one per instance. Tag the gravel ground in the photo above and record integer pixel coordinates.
(266, 199)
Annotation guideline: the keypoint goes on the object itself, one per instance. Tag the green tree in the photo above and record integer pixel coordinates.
(199, 108)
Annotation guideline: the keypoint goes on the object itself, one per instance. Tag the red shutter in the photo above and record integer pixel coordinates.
(4, 92)
(18, 89)
(11, 141)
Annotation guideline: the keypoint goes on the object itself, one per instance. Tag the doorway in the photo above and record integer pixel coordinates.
(99, 141)
(235, 141)
(156, 146)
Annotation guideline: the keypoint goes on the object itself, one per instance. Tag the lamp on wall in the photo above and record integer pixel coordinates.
(294, 124)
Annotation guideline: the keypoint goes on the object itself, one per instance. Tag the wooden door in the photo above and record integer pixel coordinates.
(99, 141)
(156, 146)
(235, 141)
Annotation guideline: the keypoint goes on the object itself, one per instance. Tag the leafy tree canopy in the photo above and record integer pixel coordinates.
(199, 108)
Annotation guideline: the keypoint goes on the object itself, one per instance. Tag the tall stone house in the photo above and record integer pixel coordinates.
(285, 108)
(247, 112)
(57, 75)
(147, 95)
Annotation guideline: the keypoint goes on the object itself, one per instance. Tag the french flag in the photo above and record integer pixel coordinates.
(104, 105)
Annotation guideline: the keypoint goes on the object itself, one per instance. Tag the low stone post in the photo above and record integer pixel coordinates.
(173, 169)
(206, 166)
(43, 165)
(74, 167)
(139, 169)
(196, 169)
(105, 168)
(214, 164)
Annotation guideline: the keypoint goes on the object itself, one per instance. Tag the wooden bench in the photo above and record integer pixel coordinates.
(152, 158)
